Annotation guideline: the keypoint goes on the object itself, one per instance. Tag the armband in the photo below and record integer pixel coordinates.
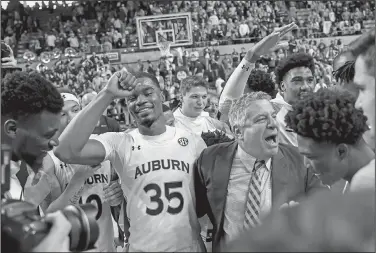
(247, 66)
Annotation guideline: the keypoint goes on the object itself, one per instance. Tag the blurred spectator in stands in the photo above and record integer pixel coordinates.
(73, 41)
(50, 40)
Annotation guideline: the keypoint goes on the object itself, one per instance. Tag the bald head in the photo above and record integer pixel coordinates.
(87, 98)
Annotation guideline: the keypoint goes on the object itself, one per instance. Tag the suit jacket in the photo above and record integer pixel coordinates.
(291, 180)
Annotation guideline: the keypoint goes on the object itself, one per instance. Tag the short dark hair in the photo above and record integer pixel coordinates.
(261, 81)
(293, 61)
(328, 115)
(192, 81)
(152, 77)
(23, 94)
(365, 46)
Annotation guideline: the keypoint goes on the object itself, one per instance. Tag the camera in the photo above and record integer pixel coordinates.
(21, 221)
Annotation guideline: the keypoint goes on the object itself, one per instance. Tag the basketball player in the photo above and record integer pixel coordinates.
(154, 163)
(194, 91)
(77, 184)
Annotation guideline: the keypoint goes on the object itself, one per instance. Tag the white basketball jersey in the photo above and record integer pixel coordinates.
(157, 181)
(93, 193)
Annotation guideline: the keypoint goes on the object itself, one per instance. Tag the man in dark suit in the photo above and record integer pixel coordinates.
(238, 183)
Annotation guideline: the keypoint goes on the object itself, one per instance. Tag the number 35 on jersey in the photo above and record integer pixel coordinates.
(164, 197)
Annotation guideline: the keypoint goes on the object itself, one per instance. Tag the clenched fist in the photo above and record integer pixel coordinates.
(121, 84)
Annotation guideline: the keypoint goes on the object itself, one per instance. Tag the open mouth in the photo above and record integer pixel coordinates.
(272, 139)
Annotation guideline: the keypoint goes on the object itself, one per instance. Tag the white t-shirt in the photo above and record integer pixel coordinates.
(73, 42)
(196, 125)
(51, 40)
(157, 181)
(92, 193)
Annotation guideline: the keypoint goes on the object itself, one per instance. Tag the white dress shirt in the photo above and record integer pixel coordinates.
(237, 193)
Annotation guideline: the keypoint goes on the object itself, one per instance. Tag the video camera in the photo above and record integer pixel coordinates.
(22, 222)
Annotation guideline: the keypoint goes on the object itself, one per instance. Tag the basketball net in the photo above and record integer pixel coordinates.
(164, 47)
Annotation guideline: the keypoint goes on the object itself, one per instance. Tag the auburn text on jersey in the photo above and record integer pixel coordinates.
(166, 164)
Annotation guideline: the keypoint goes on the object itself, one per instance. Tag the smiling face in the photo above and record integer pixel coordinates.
(145, 103)
(297, 82)
(70, 110)
(259, 136)
(194, 101)
(34, 136)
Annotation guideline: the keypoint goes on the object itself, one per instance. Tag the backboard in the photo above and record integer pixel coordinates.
(176, 28)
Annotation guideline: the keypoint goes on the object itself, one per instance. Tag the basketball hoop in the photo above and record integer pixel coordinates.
(164, 47)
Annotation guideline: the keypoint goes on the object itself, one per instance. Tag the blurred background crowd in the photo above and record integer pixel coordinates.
(89, 27)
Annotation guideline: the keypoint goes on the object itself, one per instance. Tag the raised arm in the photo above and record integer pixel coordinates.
(75, 146)
(236, 83)
(72, 193)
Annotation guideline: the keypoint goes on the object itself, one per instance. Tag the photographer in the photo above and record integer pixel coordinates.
(30, 113)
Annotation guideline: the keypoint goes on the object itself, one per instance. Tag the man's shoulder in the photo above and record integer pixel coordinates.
(364, 178)
(217, 148)
(290, 153)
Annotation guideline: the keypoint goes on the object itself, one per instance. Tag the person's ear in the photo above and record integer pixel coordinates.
(342, 151)
(10, 128)
(282, 87)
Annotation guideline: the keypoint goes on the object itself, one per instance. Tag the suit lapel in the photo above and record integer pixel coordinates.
(280, 174)
(222, 170)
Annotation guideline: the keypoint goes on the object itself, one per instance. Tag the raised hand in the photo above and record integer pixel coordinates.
(9, 61)
(121, 84)
(263, 46)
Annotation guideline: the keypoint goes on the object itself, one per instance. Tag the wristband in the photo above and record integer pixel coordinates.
(247, 66)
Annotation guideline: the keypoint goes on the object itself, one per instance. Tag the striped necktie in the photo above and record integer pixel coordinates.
(252, 210)
(22, 176)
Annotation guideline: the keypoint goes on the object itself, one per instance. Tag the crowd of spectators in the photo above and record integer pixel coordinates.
(102, 26)
(112, 25)
(91, 74)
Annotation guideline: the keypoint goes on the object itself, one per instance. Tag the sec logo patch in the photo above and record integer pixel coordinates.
(183, 141)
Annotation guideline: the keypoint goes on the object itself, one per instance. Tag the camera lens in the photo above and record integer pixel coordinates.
(85, 230)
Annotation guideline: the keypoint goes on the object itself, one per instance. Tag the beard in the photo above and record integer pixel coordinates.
(147, 122)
